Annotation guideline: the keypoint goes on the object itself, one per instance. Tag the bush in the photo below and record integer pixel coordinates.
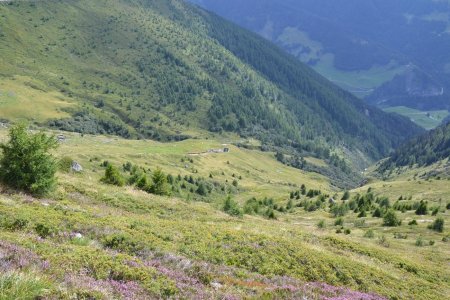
(438, 225)
(435, 211)
(14, 224)
(413, 222)
(422, 209)
(359, 223)
(391, 219)
(43, 230)
(65, 164)
(377, 213)
(369, 234)
(383, 241)
(270, 214)
(347, 231)
(113, 176)
(122, 242)
(346, 195)
(231, 207)
(321, 224)
(339, 222)
(26, 163)
(420, 242)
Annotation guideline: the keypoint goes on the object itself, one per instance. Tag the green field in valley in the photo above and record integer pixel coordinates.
(426, 119)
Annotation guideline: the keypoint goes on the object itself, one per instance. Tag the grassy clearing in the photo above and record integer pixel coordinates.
(19, 94)
(426, 119)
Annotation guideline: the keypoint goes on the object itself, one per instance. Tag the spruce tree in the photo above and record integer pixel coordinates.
(26, 163)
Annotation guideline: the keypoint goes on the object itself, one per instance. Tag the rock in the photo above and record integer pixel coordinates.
(78, 235)
(76, 167)
(216, 285)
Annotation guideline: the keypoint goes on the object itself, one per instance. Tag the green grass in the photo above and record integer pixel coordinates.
(21, 286)
(360, 83)
(137, 237)
(19, 93)
(426, 119)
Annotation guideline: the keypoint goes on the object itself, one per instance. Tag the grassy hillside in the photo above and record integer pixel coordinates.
(166, 70)
(119, 242)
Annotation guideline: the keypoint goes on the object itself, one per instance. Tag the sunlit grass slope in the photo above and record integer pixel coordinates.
(93, 240)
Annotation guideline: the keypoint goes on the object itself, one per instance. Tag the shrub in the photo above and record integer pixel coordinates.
(448, 205)
(14, 224)
(435, 211)
(26, 163)
(113, 176)
(231, 207)
(339, 222)
(422, 209)
(391, 219)
(413, 222)
(321, 224)
(159, 185)
(369, 234)
(377, 213)
(252, 206)
(400, 236)
(359, 223)
(383, 241)
(142, 182)
(420, 242)
(44, 230)
(270, 214)
(339, 210)
(362, 214)
(65, 164)
(438, 225)
(122, 242)
(347, 231)
(346, 195)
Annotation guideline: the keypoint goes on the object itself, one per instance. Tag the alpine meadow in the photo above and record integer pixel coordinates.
(150, 149)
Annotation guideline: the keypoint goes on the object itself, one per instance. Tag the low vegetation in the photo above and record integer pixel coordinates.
(209, 238)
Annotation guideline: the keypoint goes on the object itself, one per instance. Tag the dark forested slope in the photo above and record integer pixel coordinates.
(423, 150)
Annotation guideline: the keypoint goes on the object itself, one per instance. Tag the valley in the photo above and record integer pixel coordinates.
(150, 149)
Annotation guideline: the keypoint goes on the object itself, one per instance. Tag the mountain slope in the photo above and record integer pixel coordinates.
(358, 44)
(98, 241)
(424, 150)
(165, 70)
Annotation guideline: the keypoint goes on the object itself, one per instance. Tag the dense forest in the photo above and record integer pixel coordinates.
(423, 150)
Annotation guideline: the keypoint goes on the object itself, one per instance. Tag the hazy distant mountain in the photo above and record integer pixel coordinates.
(358, 44)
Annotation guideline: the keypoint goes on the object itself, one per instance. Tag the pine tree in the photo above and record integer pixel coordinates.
(159, 186)
(26, 163)
(113, 176)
